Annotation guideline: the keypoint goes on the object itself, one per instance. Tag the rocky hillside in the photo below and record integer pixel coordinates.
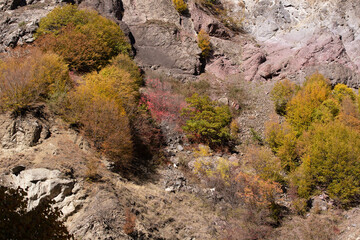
(278, 38)
(253, 45)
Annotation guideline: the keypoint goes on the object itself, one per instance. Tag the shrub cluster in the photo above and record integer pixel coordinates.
(86, 40)
(163, 104)
(319, 143)
(206, 122)
(251, 209)
(180, 6)
(99, 105)
(28, 79)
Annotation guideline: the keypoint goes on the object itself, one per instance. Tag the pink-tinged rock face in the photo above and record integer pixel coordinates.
(279, 60)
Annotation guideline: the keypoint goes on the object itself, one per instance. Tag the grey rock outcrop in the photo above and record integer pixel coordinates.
(23, 132)
(162, 38)
(42, 183)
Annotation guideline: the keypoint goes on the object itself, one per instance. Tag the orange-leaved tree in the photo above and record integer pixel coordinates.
(86, 40)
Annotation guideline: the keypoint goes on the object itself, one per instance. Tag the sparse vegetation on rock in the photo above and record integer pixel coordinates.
(180, 6)
(204, 44)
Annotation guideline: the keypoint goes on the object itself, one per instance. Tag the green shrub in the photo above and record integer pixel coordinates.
(180, 6)
(206, 122)
(281, 94)
(86, 40)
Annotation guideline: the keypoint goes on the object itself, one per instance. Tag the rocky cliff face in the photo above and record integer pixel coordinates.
(300, 37)
(282, 38)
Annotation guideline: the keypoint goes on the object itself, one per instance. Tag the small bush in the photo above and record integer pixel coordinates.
(180, 6)
(264, 162)
(163, 104)
(281, 94)
(32, 78)
(206, 122)
(86, 40)
(204, 44)
(234, 129)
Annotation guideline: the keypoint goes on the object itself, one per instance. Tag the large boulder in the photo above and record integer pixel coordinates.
(42, 183)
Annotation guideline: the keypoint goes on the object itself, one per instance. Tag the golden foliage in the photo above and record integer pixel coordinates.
(98, 105)
(86, 40)
(264, 162)
(281, 94)
(301, 107)
(180, 6)
(31, 78)
(204, 44)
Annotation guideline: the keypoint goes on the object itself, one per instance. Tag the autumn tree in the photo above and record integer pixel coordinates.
(301, 107)
(86, 40)
(331, 161)
(97, 104)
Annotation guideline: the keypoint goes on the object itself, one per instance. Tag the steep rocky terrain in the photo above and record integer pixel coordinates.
(278, 39)
(283, 38)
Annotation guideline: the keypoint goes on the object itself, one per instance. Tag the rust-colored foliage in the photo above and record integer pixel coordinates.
(86, 40)
(35, 76)
(103, 120)
(256, 191)
(130, 222)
